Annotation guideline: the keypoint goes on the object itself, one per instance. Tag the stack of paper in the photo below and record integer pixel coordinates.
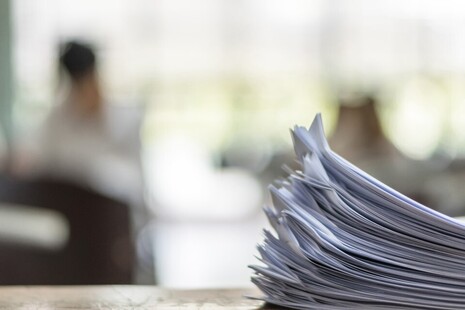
(344, 240)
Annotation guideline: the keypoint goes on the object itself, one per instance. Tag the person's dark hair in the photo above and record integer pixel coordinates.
(77, 59)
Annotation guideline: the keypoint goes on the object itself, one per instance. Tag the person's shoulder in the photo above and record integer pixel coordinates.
(59, 111)
(130, 116)
(123, 123)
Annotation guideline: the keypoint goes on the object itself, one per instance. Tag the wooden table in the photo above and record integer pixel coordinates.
(122, 297)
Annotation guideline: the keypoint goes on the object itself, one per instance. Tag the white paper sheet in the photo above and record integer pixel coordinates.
(347, 241)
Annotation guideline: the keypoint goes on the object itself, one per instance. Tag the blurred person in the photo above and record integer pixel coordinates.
(92, 143)
(358, 133)
(360, 139)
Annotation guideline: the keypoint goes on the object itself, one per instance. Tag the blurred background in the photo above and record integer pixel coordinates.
(201, 95)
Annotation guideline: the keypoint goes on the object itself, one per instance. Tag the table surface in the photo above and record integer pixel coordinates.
(123, 297)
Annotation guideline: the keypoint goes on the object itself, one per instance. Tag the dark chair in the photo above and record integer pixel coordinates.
(99, 248)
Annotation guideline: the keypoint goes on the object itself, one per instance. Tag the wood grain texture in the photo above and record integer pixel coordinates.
(122, 297)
